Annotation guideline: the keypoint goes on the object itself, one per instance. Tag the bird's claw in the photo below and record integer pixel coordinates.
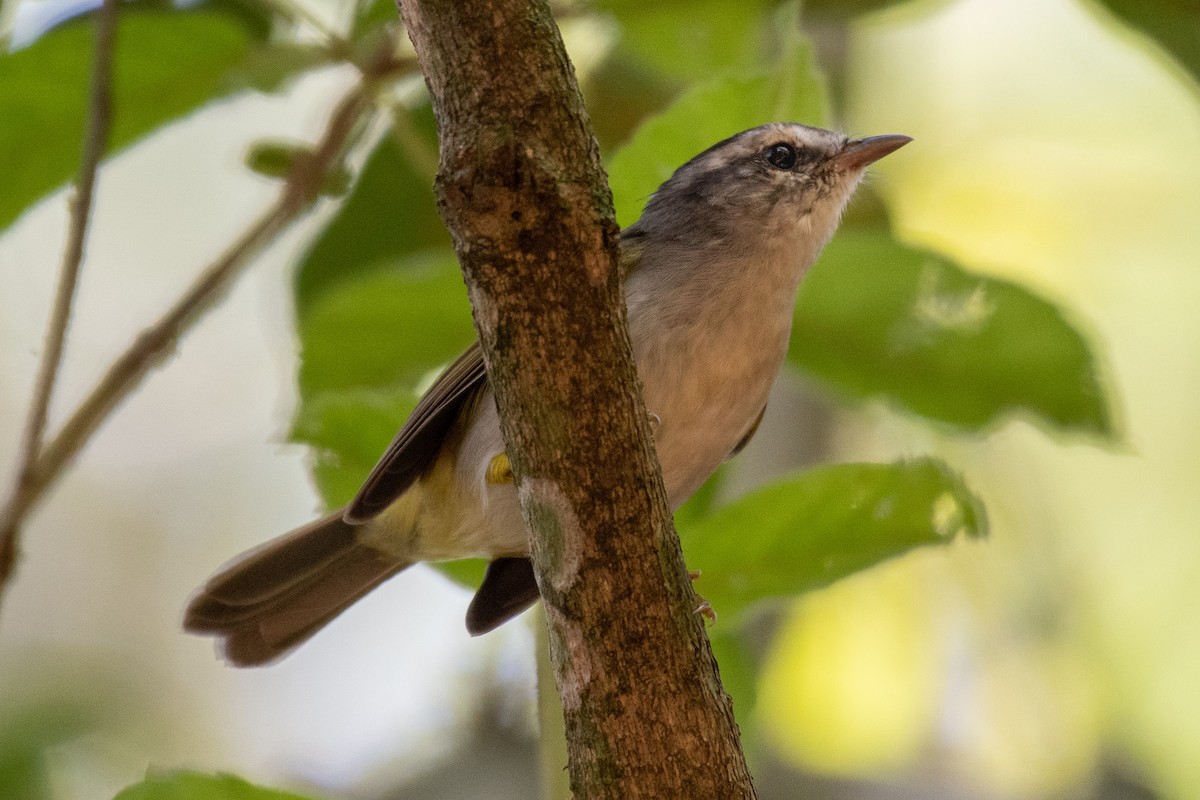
(703, 607)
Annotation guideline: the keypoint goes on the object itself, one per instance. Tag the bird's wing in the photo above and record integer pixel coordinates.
(418, 443)
(748, 435)
(509, 587)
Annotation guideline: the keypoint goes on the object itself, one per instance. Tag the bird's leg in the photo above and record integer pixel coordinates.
(703, 607)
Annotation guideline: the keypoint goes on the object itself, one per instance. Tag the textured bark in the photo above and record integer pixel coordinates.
(522, 189)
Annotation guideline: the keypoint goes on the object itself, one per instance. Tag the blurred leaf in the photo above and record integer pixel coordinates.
(1174, 24)
(878, 318)
(853, 681)
(26, 733)
(366, 343)
(373, 14)
(257, 17)
(467, 571)
(843, 9)
(702, 501)
(349, 430)
(390, 214)
(792, 91)
(269, 68)
(693, 39)
(184, 785)
(739, 675)
(274, 159)
(804, 532)
(387, 328)
(381, 306)
(277, 160)
(167, 64)
(620, 93)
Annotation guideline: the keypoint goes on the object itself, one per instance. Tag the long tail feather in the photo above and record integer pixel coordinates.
(273, 598)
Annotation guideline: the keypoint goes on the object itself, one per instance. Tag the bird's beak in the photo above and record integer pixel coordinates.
(858, 153)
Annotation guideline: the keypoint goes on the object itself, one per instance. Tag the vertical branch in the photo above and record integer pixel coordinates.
(95, 140)
(522, 189)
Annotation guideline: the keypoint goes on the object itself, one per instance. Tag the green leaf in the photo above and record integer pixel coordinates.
(693, 39)
(739, 673)
(271, 67)
(30, 728)
(349, 430)
(792, 91)
(620, 93)
(275, 159)
(467, 572)
(185, 785)
(389, 215)
(366, 344)
(844, 9)
(373, 15)
(702, 502)
(167, 64)
(1173, 24)
(386, 328)
(382, 307)
(804, 532)
(877, 318)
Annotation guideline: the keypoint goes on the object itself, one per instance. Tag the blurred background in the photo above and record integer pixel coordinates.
(1057, 146)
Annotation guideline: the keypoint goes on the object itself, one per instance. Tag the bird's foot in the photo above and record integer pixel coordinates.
(703, 607)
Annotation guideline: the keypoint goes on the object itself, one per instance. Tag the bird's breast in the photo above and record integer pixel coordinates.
(707, 367)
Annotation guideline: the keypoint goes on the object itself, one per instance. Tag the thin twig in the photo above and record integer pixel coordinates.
(158, 341)
(94, 142)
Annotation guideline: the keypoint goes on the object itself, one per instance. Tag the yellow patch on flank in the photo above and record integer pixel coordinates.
(499, 470)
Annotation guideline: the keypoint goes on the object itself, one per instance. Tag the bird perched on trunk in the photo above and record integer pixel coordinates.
(711, 271)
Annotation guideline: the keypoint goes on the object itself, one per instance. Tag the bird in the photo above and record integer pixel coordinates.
(711, 270)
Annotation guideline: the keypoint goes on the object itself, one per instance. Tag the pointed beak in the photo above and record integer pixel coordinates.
(858, 153)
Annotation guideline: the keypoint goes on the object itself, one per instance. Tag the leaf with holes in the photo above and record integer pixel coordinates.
(879, 319)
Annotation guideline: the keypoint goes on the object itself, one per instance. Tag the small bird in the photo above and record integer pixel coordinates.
(711, 271)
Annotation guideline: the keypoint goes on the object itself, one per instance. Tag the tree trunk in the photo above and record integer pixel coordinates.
(522, 190)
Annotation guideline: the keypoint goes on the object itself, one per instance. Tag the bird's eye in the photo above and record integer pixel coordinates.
(781, 156)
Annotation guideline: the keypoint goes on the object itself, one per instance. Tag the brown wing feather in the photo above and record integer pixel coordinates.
(748, 435)
(419, 441)
(274, 597)
(508, 588)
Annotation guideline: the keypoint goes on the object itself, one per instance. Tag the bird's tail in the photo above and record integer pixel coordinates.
(273, 598)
